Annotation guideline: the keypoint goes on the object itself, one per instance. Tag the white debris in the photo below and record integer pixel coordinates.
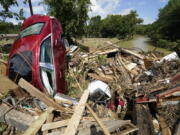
(131, 66)
(170, 57)
(99, 87)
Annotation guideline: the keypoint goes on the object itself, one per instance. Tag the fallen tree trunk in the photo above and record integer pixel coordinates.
(143, 120)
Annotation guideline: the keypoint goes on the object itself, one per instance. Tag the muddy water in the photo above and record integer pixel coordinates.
(142, 43)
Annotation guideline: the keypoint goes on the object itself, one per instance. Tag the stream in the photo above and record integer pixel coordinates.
(142, 43)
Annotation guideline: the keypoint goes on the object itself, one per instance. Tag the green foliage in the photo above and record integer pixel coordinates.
(73, 15)
(102, 60)
(114, 26)
(72, 91)
(141, 29)
(3, 126)
(93, 29)
(165, 31)
(6, 13)
(6, 28)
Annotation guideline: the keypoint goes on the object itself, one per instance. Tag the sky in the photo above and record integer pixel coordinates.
(147, 9)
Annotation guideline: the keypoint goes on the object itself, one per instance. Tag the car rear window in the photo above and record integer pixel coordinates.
(20, 65)
(33, 29)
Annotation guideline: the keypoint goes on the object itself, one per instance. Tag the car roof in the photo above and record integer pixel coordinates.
(35, 19)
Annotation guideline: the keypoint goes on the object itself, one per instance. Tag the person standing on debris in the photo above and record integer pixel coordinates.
(119, 103)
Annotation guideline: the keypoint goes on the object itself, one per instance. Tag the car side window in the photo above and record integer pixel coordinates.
(47, 71)
(46, 51)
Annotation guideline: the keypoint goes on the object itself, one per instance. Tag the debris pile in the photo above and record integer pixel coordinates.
(111, 91)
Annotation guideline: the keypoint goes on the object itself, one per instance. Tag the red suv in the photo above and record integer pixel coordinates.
(38, 54)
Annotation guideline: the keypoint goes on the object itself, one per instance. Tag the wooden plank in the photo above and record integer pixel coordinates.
(49, 119)
(8, 36)
(106, 132)
(41, 96)
(169, 92)
(6, 84)
(104, 78)
(127, 131)
(63, 123)
(132, 53)
(3, 61)
(4, 54)
(102, 53)
(75, 119)
(17, 119)
(36, 125)
(164, 126)
(92, 128)
(54, 125)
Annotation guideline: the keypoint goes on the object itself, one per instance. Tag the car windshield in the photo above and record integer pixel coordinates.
(33, 29)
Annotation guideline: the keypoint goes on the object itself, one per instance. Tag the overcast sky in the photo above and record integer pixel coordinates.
(146, 9)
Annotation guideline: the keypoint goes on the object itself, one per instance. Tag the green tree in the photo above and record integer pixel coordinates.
(165, 31)
(120, 26)
(94, 26)
(72, 14)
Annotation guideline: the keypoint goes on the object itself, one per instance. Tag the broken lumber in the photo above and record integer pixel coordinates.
(49, 119)
(36, 125)
(4, 54)
(92, 128)
(7, 84)
(3, 62)
(63, 123)
(164, 126)
(41, 96)
(170, 92)
(132, 53)
(104, 78)
(102, 53)
(15, 118)
(54, 125)
(105, 130)
(75, 119)
(9, 36)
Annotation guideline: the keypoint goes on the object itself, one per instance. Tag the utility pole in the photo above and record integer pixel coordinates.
(30, 7)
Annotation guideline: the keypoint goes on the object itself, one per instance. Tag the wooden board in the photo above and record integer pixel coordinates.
(49, 119)
(36, 125)
(169, 92)
(104, 78)
(54, 125)
(6, 84)
(92, 128)
(75, 119)
(41, 96)
(3, 61)
(132, 53)
(106, 132)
